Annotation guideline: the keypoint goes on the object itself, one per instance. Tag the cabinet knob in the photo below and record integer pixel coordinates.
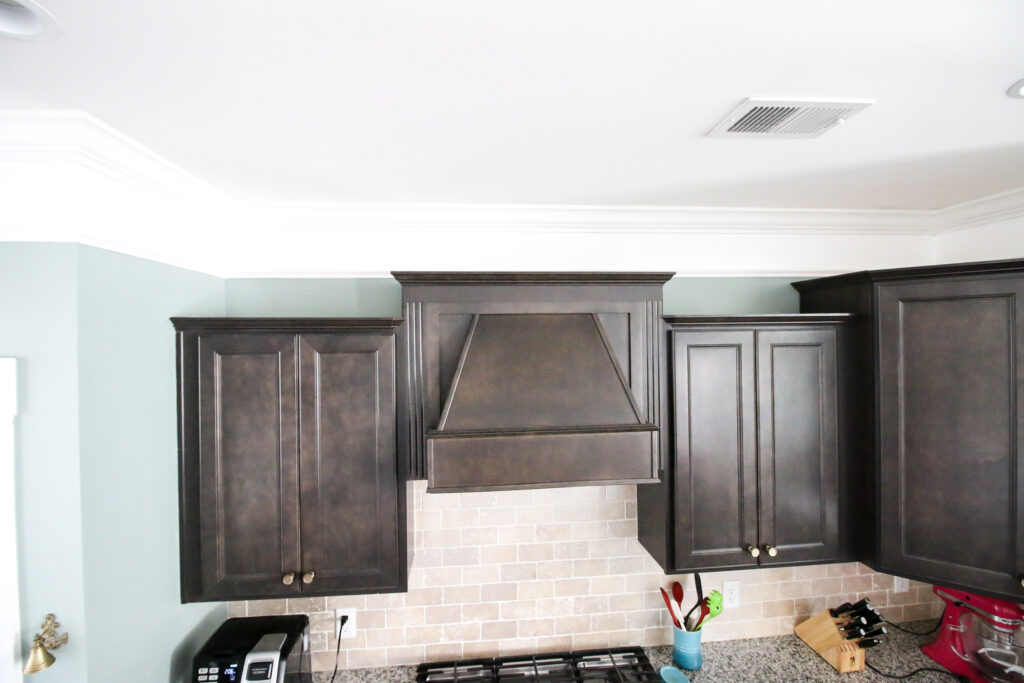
(752, 549)
(288, 578)
(1021, 579)
(771, 550)
(308, 577)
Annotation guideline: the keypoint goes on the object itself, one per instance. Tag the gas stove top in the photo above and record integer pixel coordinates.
(614, 665)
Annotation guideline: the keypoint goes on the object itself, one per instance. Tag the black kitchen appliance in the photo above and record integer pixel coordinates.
(256, 650)
(611, 665)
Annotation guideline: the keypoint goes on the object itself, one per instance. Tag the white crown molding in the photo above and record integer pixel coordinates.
(116, 194)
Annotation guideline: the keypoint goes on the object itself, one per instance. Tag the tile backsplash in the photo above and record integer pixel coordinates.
(512, 572)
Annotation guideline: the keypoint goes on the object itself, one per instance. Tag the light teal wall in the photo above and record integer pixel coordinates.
(39, 327)
(312, 297)
(128, 446)
(700, 295)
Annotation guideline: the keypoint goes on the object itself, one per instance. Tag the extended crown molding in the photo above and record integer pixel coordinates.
(114, 193)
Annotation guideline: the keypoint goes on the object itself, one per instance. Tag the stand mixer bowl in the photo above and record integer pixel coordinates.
(998, 655)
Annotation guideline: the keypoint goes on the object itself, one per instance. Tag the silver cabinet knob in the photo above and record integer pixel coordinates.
(753, 550)
(1022, 580)
(288, 578)
(308, 577)
(771, 550)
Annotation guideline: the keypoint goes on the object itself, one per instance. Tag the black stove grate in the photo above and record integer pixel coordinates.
(611, 665)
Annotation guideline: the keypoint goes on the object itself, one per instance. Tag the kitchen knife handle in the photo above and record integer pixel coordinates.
(771, 550)
(308, 577)
(288, 578)
(752, 550)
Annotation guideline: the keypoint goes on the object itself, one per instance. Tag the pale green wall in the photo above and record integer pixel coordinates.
(39, 327)
(700, 295)
(128, 442)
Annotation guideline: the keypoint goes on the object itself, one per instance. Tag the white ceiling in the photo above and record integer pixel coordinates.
(581, 102)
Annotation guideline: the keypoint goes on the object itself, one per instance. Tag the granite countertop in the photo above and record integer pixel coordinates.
(754, 660)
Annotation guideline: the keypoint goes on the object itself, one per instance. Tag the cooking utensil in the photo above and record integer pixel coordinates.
(678, 594)
(670, 674)
(704, 612)
(715, 605)
(700, 597)
(671, 610)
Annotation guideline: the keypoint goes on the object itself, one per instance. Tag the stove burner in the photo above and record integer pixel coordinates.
(614, 665)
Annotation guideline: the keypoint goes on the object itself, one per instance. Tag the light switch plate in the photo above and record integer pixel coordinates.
(730, 594)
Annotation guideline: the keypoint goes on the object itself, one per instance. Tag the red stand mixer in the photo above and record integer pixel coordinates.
(980, 637)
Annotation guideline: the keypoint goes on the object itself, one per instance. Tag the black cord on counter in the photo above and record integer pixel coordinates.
(337, 653)
(958, 677)
(916, 633)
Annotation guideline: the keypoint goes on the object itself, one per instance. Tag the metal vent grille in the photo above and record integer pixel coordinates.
(786, 118)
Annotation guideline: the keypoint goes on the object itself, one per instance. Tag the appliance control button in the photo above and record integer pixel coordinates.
(203, 670)
(214, 669)
(203, 678)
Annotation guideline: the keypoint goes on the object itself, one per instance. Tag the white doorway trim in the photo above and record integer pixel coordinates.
(10, 620)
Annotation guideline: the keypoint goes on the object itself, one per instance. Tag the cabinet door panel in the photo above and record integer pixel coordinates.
(349, 474)
(950, 417)
(799, 487)
(715, 448)
(248, 464)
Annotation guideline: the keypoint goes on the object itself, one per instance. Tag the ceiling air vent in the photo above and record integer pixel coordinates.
(762, 118)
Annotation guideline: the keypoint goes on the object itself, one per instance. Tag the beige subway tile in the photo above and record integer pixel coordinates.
(479, 536)
(572, 625)
(480, 574)
(826, 587)
(498, 630)
(442, 576)
(324, 661)
(794, 589)
(440, 538)
(478, 499)
(461, 632)
(631, 509)
(805, 607)
(608, 548)
(321, 621)
(549, 533)
(405, 656)
(857, 584)
(587, 641)
(601, 585)
(777, 608)
(877, 598)
(426, 558)
(589, 531)
(498, 554)
(473, 650)
(447, 614)
(409, 616)
(893, 613)
(814, 571)
(531, 590)
(304, 605)
(625, 603)
(625, 638)
(777, 574)
(422, 635)
(591, 604)
(260, 608)
(518, 497)
(317, 642)
(622, 529)
(555, 569)
(364, 659)
(499, 592)
(428, 519)
(881, 582)
(384, 637)
(564, 587)
(526, 533)
(554, 643)
(461, 556)
(423, 597)
(615, 621)
(536, 627)
(554, 607)
(535, 514)
(461, 594)
(440, 501)
(517, 646)
(521, 571)
(460, 517)
(844, 569)
(572, 550)
(656, 636)
(519, 609)
(496, 517)
(353, 601)
(927, 610)
(645, 619)
(596, 567)
(761, 592)
(488, 611)
(533, 552)
(626, 565)
(443, 652)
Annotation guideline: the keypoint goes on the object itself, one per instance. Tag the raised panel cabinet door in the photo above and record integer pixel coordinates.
(950, 411)
(715, 484)
(798, 445)
(248, 465)
(350, 496)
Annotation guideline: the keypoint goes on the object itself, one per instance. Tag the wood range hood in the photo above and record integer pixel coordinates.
(526, 380)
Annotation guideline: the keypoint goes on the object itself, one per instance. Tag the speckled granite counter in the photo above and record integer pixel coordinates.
(756, 660)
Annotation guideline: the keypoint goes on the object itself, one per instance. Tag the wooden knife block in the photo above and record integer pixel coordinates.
(822, 634)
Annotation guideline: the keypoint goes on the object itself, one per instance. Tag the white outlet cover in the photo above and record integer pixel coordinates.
(350, 626)
(730, 594)
(900, 585)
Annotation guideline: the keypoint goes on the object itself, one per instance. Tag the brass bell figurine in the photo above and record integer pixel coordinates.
(46, 640)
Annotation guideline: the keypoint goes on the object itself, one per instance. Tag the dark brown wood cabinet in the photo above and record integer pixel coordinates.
(941, 387)
(753, 471)
(289, 480)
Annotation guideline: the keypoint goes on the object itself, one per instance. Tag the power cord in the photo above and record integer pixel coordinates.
(962, 679)
(916, 633)
(337, 652)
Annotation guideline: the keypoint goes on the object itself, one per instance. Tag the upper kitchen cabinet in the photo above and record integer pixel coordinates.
(941, 353)
(754, 467)
(521, 380)
(289, 481)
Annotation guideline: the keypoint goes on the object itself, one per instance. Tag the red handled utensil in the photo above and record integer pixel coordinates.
(668, 603)
(678, 594)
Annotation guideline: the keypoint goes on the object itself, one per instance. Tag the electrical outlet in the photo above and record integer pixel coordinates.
(900, 585)
(730, 594)
(349, 631)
